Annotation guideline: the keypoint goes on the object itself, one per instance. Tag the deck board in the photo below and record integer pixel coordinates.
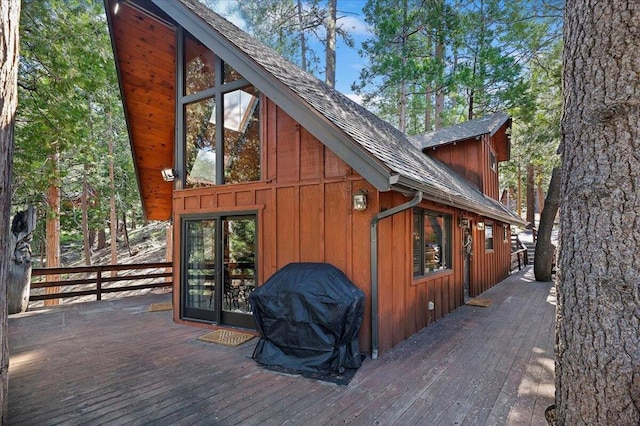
(113, 362)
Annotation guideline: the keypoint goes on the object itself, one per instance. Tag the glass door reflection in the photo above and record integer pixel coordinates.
(200, 260)
(239, 269)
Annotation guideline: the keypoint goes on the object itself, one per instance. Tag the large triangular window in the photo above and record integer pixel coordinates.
(220, 112)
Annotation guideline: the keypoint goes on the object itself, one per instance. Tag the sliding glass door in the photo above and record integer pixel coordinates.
(218, 268)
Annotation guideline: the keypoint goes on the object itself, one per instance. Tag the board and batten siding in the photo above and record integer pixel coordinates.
(303, 203)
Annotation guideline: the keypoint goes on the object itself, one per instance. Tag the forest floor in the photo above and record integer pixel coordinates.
(147, 244)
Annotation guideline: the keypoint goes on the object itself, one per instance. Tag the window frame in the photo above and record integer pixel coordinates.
(217, 92)
(445, 243)
(489, 242)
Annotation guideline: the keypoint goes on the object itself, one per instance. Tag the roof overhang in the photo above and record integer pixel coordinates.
(497, 211)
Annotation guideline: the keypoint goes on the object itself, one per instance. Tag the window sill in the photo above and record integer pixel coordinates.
(431, 276)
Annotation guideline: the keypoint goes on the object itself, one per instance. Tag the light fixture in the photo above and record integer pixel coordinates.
(480, 226)
(116, 8)
(464, 223)
(360, 200)
(168, 174)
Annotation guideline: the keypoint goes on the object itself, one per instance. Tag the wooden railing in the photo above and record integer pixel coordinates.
(519, 259)
(98, 281)
(519, 254)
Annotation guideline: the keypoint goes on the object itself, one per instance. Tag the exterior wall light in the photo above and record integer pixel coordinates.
(168, 174)
(360, 201)
(480, 226)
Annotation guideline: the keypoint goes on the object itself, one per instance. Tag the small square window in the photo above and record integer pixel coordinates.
(488, 236)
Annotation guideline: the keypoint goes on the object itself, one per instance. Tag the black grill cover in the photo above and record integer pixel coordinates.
(308, 315)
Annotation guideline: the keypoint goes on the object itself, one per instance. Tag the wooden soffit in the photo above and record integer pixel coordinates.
(144, 49)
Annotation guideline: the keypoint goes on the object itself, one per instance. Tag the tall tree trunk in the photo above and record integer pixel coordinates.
(102, 239)
(598, 311)
(402, 108)
(428, 109)
(440, 60)
(9, 52)
(303, 39)
(125, 232)
(53, 226)
(19, 279)
(113, 216)
(330, 63)
(519, 199)
(86, 241)
(531, 205)
(540, 189)
(543, 260)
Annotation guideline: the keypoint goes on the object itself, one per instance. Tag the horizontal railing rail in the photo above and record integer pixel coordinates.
(519, 259)
(99, 279)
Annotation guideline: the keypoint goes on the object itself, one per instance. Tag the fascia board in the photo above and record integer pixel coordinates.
(441, 197)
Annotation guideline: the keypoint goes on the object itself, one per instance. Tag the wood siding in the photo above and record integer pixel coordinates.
(303, 204)
(304, 214)
(404, 299)
(464, 158)
(471, 159)
(488, 267)
(146, 62)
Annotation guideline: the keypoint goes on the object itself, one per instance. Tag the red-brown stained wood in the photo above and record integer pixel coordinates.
(337, 223)
(288, 146)
(145, 52)
(305, 214)
(311, 157)
(311, 227)
(286, 222)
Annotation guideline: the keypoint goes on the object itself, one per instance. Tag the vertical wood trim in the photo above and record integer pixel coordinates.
(297, 220)
(321, 218)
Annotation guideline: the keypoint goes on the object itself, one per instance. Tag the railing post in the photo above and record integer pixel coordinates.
(99, 285)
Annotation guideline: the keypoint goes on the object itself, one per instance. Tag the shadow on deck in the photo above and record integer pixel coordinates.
(113, 362)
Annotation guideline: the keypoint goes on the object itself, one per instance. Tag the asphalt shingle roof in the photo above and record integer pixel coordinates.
(489, 124)
(375, 136)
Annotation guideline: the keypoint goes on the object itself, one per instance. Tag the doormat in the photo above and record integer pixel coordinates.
(483, 303)
(226, 337)
(157, 307)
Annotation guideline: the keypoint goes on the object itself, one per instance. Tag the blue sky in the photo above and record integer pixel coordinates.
(348, 63)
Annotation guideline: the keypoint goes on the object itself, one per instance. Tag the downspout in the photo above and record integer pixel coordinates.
(374, 265)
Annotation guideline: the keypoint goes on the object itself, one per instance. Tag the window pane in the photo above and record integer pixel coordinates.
(239, 263)
(199, 67)
(200, 149)
(433, 238)
(230, 74)
(417, 243)
(488, 236)
(242, 136)
(200, 264)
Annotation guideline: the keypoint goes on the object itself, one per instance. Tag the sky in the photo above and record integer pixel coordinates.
(348, 63)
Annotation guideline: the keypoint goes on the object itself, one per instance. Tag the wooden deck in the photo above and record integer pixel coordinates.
(113, 362)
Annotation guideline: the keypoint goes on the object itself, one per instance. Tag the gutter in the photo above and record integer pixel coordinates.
(437, 196)
(374, 266)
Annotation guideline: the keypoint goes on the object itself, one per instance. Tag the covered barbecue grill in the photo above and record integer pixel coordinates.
(308, 315)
